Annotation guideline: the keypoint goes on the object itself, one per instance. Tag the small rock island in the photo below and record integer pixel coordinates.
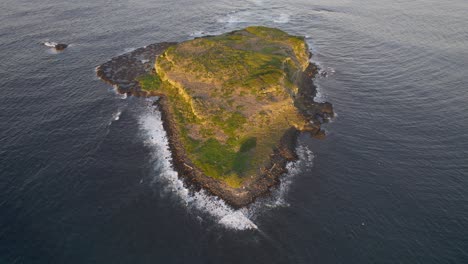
(232, 105)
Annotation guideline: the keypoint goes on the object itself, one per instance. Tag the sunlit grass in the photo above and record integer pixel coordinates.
(231, 97)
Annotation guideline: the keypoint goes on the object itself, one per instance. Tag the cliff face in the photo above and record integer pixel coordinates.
(232, 98)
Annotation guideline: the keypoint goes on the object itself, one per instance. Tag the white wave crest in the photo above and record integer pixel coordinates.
(200, 201)
(319, 95)
(201, 33)
(156, 138)
(127, 50)
(198, 34)
(116, 115)
(283, 18)
(234, 17)
(253, 17)
(326, 72)
(278, 195)
(115, 89)
(50, 44)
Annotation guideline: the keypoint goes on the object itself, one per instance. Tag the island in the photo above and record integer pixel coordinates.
(232, 105)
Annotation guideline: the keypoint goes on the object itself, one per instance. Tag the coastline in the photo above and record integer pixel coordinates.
(236, 197)
(122, 71)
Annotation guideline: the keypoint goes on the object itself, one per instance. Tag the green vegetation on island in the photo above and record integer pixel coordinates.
(232, 97)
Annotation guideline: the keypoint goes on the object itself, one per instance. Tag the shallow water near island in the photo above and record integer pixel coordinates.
(86, 176)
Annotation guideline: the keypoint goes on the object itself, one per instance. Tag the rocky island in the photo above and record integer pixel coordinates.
(232, 105)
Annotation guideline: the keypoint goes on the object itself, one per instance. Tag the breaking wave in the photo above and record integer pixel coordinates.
(283, 18)
(253, 17)
(304, 163)
(319, 95)
(324, 71)
(116, 115)
(278, 195)
(198, 200)
(235, 17)
(198, 34)
(50, 44)
(202, 202)
(327, 71)
(127, 50)
(115, 89)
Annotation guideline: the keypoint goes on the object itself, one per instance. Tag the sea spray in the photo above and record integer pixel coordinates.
(200, 201)
(278, 196)
(252, 17)
(319, 95)
(50, 44)
(116, 115)
(156, 138)
(283, 18)
(304, 163)
(324, 71)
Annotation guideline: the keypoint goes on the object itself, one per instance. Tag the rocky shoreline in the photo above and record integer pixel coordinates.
(122, 71)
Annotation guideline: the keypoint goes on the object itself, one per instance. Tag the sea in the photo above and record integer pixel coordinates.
(86, 173)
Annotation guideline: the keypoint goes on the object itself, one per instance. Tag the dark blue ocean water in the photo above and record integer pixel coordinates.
(85, 174)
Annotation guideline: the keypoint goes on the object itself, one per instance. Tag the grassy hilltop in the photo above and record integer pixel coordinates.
(232, 97)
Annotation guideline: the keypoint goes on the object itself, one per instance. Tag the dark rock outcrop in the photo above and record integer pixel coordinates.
(61, 46)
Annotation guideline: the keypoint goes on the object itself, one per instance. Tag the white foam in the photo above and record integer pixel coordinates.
(116, 115)
(115, 88)
(326, 72)
(278, 195)
(52, 49)
(127, 50)
(202, 202)
(253, 17)
(198, 34)
(257, 2)
(198, 201)
(331, 119)
(310, 43)
(319, 96)
(202, 33)
(50, 44)
(234, 17)
(283, 18)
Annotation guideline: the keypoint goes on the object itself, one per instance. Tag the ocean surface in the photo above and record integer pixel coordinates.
(86, 176)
